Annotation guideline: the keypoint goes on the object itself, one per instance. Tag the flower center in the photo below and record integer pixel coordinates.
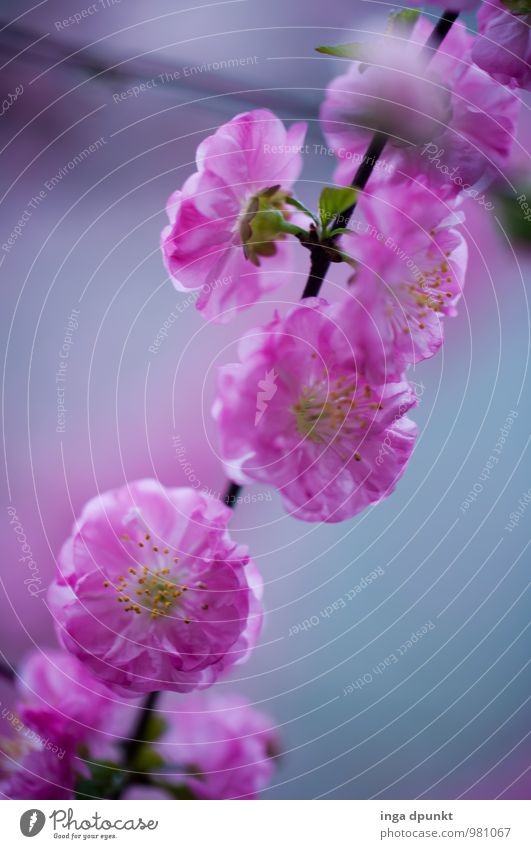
(152, 590)
(324, 413)
(430, 292)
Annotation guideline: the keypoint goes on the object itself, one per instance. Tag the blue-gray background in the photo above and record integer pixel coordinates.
(449, 719)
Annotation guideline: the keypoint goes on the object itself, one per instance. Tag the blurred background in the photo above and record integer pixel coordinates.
(449, 719)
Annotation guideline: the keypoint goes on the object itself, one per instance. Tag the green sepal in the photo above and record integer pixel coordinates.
(264, 222)
(266, 228)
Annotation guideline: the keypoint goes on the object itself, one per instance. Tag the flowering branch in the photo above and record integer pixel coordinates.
(327, 425)
(319, 266)
(321, 255)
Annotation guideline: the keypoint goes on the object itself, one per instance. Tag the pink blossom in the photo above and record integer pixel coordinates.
(225, 745)
(152, 593)
(503, 47)
(299, 412)
(31, 772)
(410, 267)
(208, 245)
(472, 142)
(63, 701)
(389, 91)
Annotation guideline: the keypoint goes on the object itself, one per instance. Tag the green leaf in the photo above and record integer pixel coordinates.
(104, 780)
(518, 7)
(300, 206)
(358, 50)
(334, 201)
(339, 231)
(514, 211)
(402, 22)
(406, 15)
(147, 759)
(399, 23)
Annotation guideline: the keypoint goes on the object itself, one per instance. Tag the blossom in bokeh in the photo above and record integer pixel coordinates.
(503, 46)
(248, 165)
(390, 91)
(226, 746)
(410, 267)
(331, 441)
(62, 700)
(472, 142)
(152, 593)
(29, 771)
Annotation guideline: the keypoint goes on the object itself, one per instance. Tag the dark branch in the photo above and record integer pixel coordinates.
(138, 734)
(6, 671)
(438, 34)
(320, 259)
(231, 493)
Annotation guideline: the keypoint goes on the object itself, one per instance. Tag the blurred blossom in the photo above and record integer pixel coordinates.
(62, 700)
(410, 268)
(389, 91)
(226, 744)
(503, 47)
(152, 593)
(29, 771)
(471, 140)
